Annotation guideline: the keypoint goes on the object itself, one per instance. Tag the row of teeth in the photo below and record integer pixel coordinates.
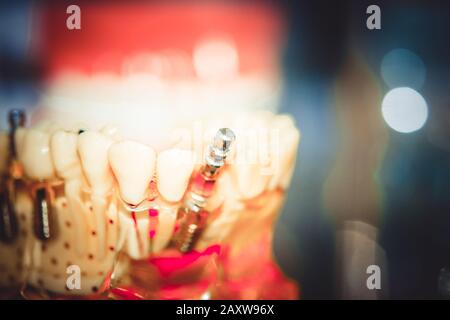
(102, 158)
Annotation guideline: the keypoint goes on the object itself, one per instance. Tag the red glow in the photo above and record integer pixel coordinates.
(168, 265)
(112, 31)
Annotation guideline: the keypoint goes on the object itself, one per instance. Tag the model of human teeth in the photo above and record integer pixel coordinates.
(134, 180)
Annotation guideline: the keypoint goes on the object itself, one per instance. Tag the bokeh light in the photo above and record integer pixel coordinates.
(404, 110)
(403, 68)
(216, 59)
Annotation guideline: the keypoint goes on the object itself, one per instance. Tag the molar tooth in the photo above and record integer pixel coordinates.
(93, 150)
(65, 155)
(174, 168)
(133, 165)
(35, 154)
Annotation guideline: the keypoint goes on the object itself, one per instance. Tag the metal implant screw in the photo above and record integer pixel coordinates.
(16, 119)
(221, 147)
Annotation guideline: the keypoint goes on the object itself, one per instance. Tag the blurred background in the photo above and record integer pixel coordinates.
(372, 182)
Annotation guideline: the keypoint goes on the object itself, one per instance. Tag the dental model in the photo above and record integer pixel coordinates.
(120, 191)
(67, 224)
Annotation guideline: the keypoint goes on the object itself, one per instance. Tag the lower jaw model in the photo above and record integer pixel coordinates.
(92, 212)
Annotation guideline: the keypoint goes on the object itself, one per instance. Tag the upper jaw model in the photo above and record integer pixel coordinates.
(98, 188)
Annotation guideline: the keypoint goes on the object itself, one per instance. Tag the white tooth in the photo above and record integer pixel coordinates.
(112, 132)
(284, 147)
(4, 152)
(133, 165)
(65, 155)
(35, 155)
(166, 223)
(47, 126)
(249, 170)
(19, 139)
(250, 180)
(93, 150)
(174, 168)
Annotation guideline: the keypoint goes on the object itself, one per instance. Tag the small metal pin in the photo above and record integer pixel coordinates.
(223, 141)
(16, 120)
(8, 218)
(220, 147)
(42, 215)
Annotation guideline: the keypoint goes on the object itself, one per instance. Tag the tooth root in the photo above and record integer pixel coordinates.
(166, 223)
(93, 150)
(99, 208)
(19, 139)
(133, 165)
(174, 168)
(136, 226)
(78, 213)
(64, 153)
(36, 156)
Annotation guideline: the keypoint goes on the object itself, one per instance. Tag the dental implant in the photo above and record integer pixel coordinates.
(8, 217)
(193, 216)
(42, 214)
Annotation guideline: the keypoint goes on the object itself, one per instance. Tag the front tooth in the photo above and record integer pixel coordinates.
(65, 155)
(249, 171)
(174, 168)
(93, 150)
(284, 147)
(133, 165)
(35, 155)
(4, 152)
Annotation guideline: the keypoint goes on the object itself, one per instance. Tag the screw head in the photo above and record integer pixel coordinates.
(16, 118)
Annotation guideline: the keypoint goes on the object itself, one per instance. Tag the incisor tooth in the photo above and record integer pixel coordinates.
(35, 155)
(93, 149)
(174, 168)
(249, 170)
(65, 156)
(283, 151)
(133, 165)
